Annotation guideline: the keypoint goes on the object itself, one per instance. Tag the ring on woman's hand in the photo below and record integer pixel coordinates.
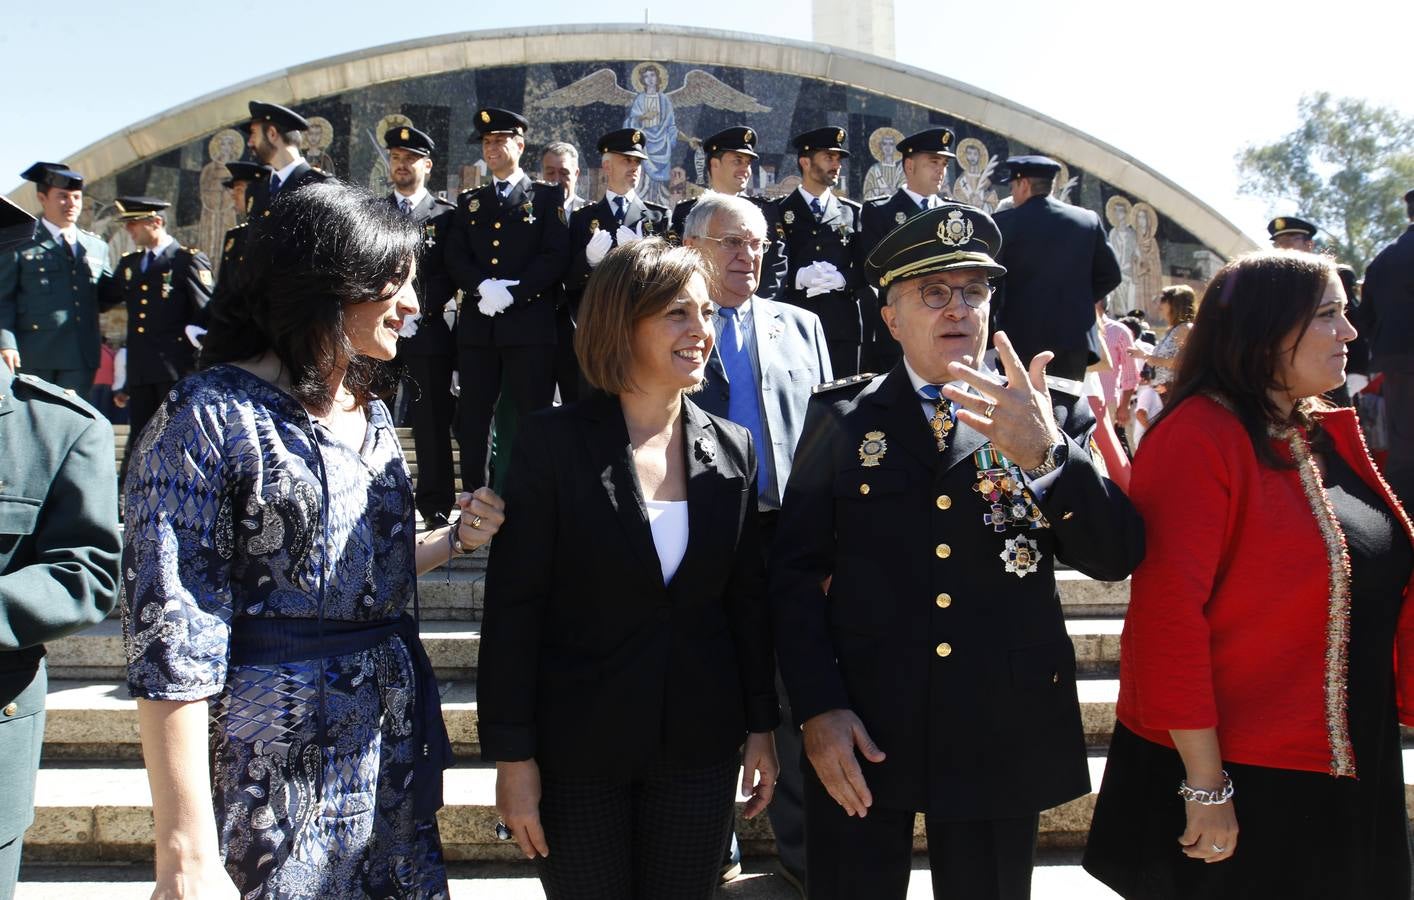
(991, 408)
(502, 832)
(475, 521)
(1217, 849)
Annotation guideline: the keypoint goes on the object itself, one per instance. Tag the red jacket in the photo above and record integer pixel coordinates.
(1236, 620)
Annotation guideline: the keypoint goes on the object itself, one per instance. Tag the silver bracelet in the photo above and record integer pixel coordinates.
(1208, 798)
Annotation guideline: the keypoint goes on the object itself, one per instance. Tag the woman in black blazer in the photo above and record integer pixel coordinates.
(626, 649)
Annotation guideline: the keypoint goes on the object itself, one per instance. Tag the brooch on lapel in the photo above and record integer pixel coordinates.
(873, 449)
(775, 331)
(1021, 555)
(704, 450)
(790, 217)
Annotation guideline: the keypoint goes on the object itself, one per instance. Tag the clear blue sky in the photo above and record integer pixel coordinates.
(1180, 86)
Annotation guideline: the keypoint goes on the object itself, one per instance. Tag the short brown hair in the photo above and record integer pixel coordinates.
(633, 282)
(1183, 303)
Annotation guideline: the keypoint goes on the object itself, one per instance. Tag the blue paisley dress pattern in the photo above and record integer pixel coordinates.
(224, 522)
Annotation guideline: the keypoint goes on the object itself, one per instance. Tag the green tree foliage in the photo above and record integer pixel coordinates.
(1345, 167)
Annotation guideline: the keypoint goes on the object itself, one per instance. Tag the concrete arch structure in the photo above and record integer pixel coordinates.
(560, 47)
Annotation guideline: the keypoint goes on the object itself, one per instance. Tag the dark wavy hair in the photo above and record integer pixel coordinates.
(322, 247)
(1234, 352)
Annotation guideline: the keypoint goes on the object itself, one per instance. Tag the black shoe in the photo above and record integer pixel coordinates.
(731, 865)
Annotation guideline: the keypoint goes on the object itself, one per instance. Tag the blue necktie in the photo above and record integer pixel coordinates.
(146, 260)
(817, 209)
(744, 399)
(925, 204)
(940, 418)
(275, 183)
(502, 189)
(619, 210)
(406, 206)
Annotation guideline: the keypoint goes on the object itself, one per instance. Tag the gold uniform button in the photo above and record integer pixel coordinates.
(494, 261)
(944, 600)
(943, 551)
(144, 301)
(497, 225)
(944, 501)
(496, 243)
(11, 709)
(144, 287)
(140, 329)
(864, 489)
(142, 315)
(945, 649)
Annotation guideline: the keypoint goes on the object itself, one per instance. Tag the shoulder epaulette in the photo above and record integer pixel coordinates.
(130, 255)
(848, 202)
(842, 382)
(64, 395)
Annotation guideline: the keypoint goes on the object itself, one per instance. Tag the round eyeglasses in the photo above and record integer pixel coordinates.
(938, 296)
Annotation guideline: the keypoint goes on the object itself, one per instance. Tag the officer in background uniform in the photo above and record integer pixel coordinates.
(426, 349)
(925, 171)
(49, 287)
(731, 153)
(58, 556)
(507, 250)
(913, 587)
(824, 244)
(165, 288)
(243, 175)
(1291, 233)
(559, 164)
(275, 136)
(1059, 264)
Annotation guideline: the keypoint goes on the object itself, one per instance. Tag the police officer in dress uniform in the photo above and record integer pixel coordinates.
(559, 165)
(731, 153)
(621, 217)
(58, 556)
(1292, 233)
(426, 349)
(275, 135)
(1059, 264)
(918, 626)
(49, 287)
(823, 236)
(507, 250)
(925, 170)
(243, 175)
(165, 288)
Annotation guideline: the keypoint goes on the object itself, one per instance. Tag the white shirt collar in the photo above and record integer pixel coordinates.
(628, 198)
(284, 173)
(569, 203)
(917, 198)
(918, 382)
(71, 233)
(162, 245)
(825, 199)
(743, 310)
(415, 200)
(514, 178)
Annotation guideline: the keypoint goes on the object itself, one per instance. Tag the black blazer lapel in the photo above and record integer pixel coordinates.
(517, 195)
(607, 437)
(713, 493)
(902, 418)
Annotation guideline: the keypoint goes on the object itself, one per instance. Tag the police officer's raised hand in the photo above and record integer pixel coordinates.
(830, 742)
(1017, 417)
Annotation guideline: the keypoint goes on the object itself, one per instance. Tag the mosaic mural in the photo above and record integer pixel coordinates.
(676, 106)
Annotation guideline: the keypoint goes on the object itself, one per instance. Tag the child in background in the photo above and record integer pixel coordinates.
(1147, 406)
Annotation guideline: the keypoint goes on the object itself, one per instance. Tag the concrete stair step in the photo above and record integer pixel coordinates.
(103, 814)
(453, 644)
(1058, 876)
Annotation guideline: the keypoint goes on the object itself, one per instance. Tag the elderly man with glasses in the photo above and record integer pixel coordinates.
(917, 622)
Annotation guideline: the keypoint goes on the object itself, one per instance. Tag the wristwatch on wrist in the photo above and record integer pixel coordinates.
(1055, 457)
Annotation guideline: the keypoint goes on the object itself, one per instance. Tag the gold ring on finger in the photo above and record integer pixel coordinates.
(991, 408)
(475, 521)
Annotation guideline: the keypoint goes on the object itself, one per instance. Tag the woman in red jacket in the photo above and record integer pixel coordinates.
(1268, 655)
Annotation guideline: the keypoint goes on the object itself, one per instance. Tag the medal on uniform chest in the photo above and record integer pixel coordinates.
(230, 242)
(430, 233)
(166, 284)
(844, 233)
(900, 218)
(873, 449)
(790, 217)
(593, 225)
(1010, 504)
(127, 273)
(1021, 555)
(529, 209)
(473, 205)
(647, 227)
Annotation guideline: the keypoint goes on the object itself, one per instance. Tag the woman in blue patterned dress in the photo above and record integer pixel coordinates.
(270, 558)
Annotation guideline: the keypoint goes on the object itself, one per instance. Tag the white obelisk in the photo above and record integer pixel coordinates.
(863, 25)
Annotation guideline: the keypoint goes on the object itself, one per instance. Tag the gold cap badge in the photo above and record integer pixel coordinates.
(485, 117)
(839, 136)
(638, 137)
(749, 137)
(1280, 224)
(403, 135)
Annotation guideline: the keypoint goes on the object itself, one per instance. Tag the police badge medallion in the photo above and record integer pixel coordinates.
(789, 217)
(956, 230)
(473, 205)
(900, 218)
(873, 449)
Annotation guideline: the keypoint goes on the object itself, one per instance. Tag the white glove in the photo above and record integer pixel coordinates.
(806, 276)
(194, 334)
(626, 235)
(826, 278)
(410, 326)
(456, 384)
(495, 298)
(598, 247)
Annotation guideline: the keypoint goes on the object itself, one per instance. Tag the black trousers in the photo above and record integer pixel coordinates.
(844, 357)
(657, 836)
(525, 374)
(1398, 392)
(851, 858)
(567, 375)
(430, 415)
